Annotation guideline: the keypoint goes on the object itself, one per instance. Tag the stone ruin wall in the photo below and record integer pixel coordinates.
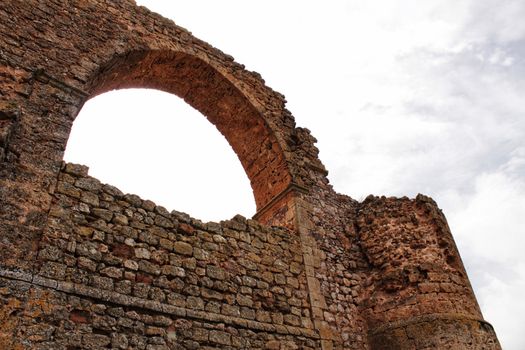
(84, 266)
(120, 271)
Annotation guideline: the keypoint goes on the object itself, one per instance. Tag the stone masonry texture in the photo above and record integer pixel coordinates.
(85, 266)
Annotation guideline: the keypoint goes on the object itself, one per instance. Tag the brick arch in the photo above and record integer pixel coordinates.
(207, 90)
(99, 46)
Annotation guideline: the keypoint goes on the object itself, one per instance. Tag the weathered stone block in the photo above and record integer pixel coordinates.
(95, 341)
(53, 270)
(183, 248)
(173, 271)
(104, 214)
(220, 337)
(215, 272)
(142, 253)
(88, 183)
(112, 272)
(120, 219)
(76, 169)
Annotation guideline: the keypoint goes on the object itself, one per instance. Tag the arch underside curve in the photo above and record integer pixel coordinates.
(208, 91)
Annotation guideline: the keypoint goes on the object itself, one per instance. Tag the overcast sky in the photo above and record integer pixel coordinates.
(404, 97)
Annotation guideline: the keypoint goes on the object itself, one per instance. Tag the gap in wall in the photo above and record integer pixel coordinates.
(153, 144)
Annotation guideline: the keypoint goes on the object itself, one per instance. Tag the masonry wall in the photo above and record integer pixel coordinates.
(116, 271)
(123, 270)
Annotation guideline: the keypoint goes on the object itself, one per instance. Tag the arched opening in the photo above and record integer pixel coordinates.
(210, 91)
(153, 144)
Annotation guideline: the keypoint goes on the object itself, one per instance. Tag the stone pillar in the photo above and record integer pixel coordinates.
(35, 119)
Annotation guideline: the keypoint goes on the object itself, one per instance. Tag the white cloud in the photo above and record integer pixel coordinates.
(492, 223)
(490, 234)
(506, 307)
(494, 20)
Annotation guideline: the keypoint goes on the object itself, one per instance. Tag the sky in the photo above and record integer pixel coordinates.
(404, 97)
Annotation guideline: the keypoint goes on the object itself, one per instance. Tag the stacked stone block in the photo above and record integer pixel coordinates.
(128, 265)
